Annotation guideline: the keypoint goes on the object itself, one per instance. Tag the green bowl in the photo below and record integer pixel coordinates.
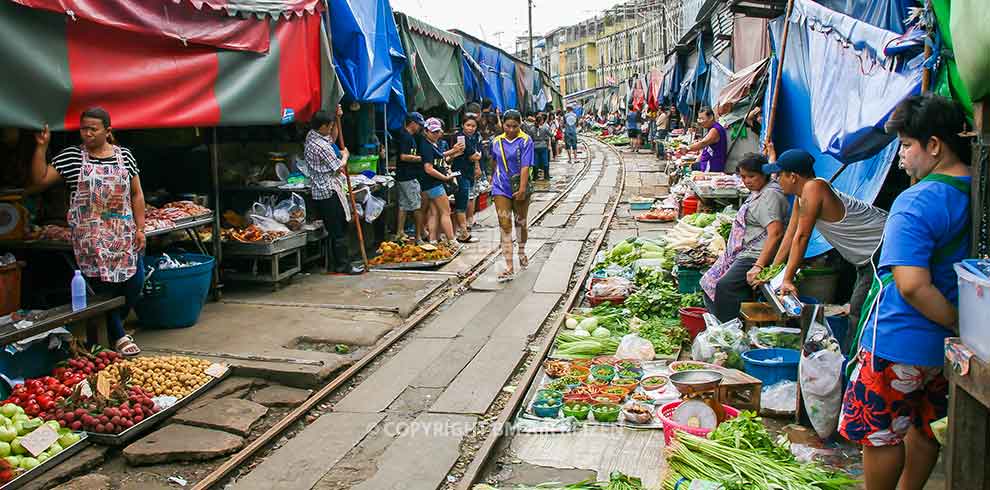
(603, 372)
(606, 412)
(578, 410)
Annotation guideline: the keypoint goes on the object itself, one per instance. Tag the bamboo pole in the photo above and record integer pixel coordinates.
(780, 70)
(926, 74)
(350, 194)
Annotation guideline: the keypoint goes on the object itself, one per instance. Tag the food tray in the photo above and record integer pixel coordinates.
(423, 264)
(149, 423)
(296, 239)
(50, 463)
(653, 220)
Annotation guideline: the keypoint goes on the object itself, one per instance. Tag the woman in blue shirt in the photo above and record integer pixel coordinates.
(898, 387)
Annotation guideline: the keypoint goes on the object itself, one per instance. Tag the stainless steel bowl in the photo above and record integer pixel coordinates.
(696, 381)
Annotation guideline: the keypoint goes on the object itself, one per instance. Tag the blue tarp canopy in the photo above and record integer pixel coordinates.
(368, 53)
(885, 14)
(487, 59)
(837, 90)
(671, 80)
(507, 74)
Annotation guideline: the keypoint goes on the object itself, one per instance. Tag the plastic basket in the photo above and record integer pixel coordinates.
(756, 363)
(688, 280)
(174, 298)
(33, 362)
(692, 320)
(597, 300)
(669, 426)
(362, 163)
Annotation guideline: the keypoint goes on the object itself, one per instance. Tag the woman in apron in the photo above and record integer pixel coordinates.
(106, 214)
(897, 388)
(756, 233)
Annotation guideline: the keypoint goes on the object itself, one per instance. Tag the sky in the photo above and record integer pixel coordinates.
(499, 22)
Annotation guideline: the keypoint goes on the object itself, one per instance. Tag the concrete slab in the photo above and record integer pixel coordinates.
(472, 253)
(556, 274)
(451, 320)
(301, 462)
(593, 209)
(280, 396)
(524, 474)
(590, 221)
(616, 236)
(542, 232)
(422, 455)
(178, 442)
(458, 354)
(527, 317)
(575, 234)
(544, 196)
(83, 461)
(599, 197)
(261, 340)
(227, 414)
(92, 481)
(565, 208)
(554, 220)
(377, 391)
(389, 291)
(476, 387)
(488, 280)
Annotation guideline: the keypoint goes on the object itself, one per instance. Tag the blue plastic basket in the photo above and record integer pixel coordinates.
(756, 363)
(174, 298)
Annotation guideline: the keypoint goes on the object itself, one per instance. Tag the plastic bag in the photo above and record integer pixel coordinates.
(769, 337)
(612, 287)
(633, 346)
(260, 210)
(780, 397)
(268, 224)
(291, 212)
(820, 372)
(720, 344)
(373, 207)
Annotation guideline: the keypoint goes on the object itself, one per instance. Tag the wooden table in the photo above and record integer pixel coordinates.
(58, 317)
(759, 315)
(968, 438)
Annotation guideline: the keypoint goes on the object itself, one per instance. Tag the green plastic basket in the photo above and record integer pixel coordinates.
(361, 163)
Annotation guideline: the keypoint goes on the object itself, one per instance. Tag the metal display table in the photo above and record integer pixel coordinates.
(267, 262)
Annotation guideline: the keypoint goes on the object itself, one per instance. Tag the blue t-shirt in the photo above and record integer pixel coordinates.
(632, 120)
(408, 145)
(923, 218)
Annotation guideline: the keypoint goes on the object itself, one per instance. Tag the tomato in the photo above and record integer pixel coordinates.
(33, 384)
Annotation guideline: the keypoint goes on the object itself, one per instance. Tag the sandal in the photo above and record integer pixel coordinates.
(126, 346)
(468, 239)
(523, 259)
(505, 276)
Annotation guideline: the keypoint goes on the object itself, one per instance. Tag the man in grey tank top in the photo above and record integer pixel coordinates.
(853, 227)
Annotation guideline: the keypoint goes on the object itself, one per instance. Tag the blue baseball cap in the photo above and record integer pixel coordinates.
(416, 118)
(797, 161)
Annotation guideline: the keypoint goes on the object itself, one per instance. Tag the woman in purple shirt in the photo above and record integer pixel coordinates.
(714, 146)
(513, 155)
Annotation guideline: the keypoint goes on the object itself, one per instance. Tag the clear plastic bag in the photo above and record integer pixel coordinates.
(820, 372)
(291, 212)
(268, 224)
(373, 207)
(780, 397)
(612, 287)
(633, 346)
(769, 337)
(721, 344)
(260, 210)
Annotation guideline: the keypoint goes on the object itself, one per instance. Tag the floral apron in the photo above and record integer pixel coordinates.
(103, 228)
(734, 247)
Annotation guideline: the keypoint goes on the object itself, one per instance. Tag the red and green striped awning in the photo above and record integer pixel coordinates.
(148, 78)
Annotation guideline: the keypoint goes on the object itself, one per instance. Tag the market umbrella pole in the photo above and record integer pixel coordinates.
(780, 70)
(354, 215)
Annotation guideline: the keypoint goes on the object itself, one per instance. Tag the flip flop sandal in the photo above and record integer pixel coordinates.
(505, 276)
(523, 260)
(126, 346)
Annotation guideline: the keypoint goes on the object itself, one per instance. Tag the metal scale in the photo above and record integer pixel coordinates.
(700, 407)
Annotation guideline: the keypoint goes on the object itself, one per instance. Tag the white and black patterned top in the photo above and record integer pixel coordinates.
(69, 161)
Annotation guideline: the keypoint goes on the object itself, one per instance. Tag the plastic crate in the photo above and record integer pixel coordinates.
(974, 307)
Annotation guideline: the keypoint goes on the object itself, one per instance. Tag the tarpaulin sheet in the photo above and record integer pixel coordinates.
(181, 21)
(653, 90)
(487, 58)
(433, 74)
(507, 73)
(261, 8)
(147, 81)
(524, 86)
(757, 45)
(671, 80)
(366, 48)
(965, 76)
(888, 15)
(718, 78)
(740, 85)
(638, 95)
(837, 90)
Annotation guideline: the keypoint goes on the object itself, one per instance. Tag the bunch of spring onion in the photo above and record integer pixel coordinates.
(696, 458)
(571, 346)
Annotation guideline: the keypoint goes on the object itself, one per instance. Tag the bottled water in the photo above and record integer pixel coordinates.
(78, 287)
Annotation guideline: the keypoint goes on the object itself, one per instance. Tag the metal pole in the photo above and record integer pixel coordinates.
(217, 248)
(780, 70)
(530, 33)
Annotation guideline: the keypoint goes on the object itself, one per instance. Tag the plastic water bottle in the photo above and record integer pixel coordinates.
(792, 305)
(78, 291)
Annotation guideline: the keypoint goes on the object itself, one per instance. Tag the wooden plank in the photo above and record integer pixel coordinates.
(474, 390)
(379, 390)
(300, 463)
(422, 455)
(59, 317)
(968, 441)
(527, 317)
(556, 273)
(451, 321)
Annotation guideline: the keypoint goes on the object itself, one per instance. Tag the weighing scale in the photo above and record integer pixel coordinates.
(700, 407)
(13, 218)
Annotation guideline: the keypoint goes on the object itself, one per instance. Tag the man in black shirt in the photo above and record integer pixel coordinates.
(407, 173)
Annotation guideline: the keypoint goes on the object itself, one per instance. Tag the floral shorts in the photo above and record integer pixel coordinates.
(884, 399)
